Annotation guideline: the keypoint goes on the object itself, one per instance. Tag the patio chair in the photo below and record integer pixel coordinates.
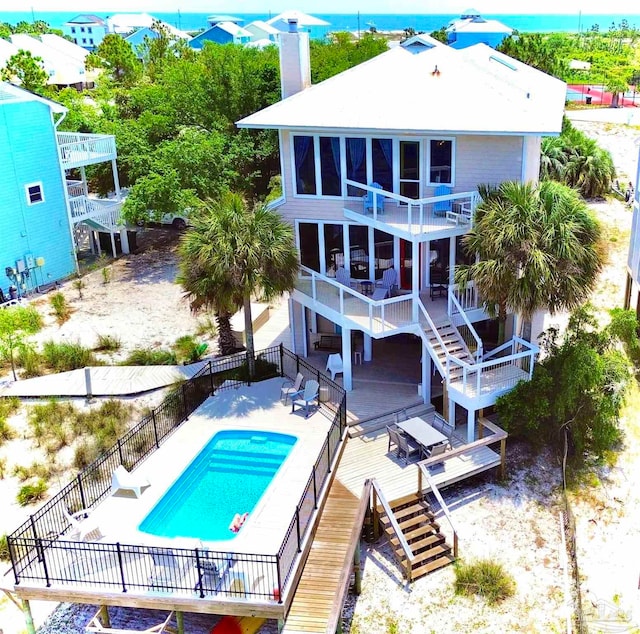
(84, 527)
(438, 422)
(389, 281)
(436, 450)
(122, 480)
(304, 398)
(441, 207)
(368, 201)
(291, 387)
(169, 570)
(343, 277)
(334, 365)
(404, 446)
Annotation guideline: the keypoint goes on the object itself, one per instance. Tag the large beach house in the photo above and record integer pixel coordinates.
(380, 168)
(44, 196)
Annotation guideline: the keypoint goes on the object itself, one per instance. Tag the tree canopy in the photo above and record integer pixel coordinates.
(539, 247)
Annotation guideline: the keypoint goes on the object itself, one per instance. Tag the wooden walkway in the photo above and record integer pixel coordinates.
(317, 604)
(105, 381)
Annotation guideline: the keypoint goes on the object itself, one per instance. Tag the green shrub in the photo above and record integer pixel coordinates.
(61, 309)
(62, 357)
(8, 407)
(30, 493)
(188, 349)
(34, 470)
(484, 578)
(84, 454)
(79, 286)
(148, 356)
(6, 432)
(105, 424)
(108, 343)
(3, 468)
(106, 275)
(46, 420)
(263, 370)
(31, 361)
(4, 549)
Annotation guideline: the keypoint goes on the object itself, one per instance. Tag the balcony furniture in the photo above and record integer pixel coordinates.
(420, 431)
(342, 277)
(357, 357)
(437, 290)
(389, 280)
(291, 387)
(461, 213)
(328, 342)
(169, 568)
(379, 294)
(122, 480)
(84, 528)
(441, 207)
(367, 287)
(304, 399)
(369, 203)
(334, 365)
(436, 450)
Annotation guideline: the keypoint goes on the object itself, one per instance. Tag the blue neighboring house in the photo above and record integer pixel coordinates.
(222, 33)
(471, 28)
(35, 241)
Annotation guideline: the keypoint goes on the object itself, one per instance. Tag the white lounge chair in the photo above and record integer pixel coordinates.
(169, 568)
(305, 398)
(389, 281)
(122, 480)
(334, 365)
(291, 387)
(84, 527)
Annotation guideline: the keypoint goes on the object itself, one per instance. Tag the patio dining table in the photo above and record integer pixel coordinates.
(422, 432)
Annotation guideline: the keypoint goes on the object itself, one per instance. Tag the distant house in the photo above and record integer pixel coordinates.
(125, 23)
(632, 291)
(222, 33)
(262, 31)
(136, 39)
(86, 30)
(43, 203)
(63, 69)
(471, 28)
(303, 20)
(212, 20)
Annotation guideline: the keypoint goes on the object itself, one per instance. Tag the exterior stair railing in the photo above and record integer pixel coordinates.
(461, 322)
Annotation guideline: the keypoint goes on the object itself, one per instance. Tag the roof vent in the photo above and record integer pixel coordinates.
(293, 25)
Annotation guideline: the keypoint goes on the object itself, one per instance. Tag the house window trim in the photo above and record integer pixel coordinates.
(30, 203)
(427, 162)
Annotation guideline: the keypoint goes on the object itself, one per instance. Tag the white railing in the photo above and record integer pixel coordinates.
(106, 213)
(427, 326)
(75, 188)
(461, 322)
(467, 296)
(76, 148)
(377, 317)
(500, 374)
(419, 215)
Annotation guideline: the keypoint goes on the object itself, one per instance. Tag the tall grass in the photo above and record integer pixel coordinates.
(61, 309)
(108, 343)
(8, 407)
(149, 356)
(187, 349)
(62, 357)
(484, 578)
(31, 362)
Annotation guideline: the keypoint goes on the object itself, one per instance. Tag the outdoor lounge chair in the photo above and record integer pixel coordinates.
(368, 201)
(291, 387)
(122, 480)
(169, 569)
(436, 450)
(343, 277)
(442, 207)
(84, 527)
(305, 398)
(334, 365)
(389, 281)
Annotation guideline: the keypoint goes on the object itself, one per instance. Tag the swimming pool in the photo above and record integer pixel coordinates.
(227, 477)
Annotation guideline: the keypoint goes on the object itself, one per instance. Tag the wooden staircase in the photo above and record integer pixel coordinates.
(453, 344)
(418, 525)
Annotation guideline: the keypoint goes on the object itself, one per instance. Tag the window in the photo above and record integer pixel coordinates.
(410, 169)
(84, 40)
(330, 166)
(88, 29)
(81, 29)
(34, 193)
(441, 161)
(383, 250)
(333, 247)
(382, 160)
(305, 165)
(359, 251)
(75, 40)
(356, 164)
(91, 40)
(73, 29)
(309, 245)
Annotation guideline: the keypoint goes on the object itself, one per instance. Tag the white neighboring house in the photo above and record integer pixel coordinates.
(7, 51)
(125, 23)
(304, 20)
(74, 51)
(262, 31)
(63, 69)
(86, 30)
(380, 168)
(632, 290)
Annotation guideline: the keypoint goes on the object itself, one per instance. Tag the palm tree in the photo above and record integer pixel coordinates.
(232, 253)
(539, 246)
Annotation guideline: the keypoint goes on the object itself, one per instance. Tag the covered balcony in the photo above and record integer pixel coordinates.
(78, 150)
(422, 219)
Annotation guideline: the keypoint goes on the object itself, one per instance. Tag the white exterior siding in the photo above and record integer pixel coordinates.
(531, 159)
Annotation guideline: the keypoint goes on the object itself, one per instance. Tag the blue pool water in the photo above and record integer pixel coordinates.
(228, 476)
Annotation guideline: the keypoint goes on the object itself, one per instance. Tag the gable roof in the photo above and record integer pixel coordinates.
(87, 18)
(232, 28)
(10, 92)
(439, 90)
(262, 26)
(477, 24)
(281, 20)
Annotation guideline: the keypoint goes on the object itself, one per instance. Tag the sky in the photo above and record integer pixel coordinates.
(336, 6)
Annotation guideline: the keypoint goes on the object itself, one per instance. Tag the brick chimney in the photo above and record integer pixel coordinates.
(295, 67)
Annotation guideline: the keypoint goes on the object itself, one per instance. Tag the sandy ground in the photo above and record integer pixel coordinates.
(515, 521)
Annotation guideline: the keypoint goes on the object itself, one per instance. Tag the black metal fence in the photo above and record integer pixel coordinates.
(39, 553)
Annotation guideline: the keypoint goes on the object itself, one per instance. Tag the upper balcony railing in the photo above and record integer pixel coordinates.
(104, 212)
(78, 149)
(385, 316)
(409, 217)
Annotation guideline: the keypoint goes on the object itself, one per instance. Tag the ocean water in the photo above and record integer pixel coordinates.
(383, 22)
